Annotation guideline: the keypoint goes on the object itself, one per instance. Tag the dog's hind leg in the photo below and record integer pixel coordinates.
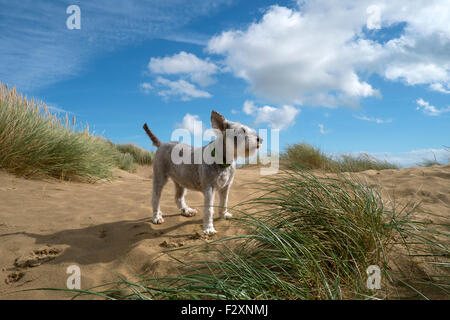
(180, 192)
(159, 181)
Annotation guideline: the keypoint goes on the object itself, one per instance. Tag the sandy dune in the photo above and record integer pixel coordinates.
(104, 228)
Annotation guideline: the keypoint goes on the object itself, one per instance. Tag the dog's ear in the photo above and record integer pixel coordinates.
(218, 121)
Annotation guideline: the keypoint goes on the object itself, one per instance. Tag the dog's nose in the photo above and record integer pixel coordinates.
(259, 140)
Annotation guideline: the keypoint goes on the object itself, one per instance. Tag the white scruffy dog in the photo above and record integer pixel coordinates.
(214, 174)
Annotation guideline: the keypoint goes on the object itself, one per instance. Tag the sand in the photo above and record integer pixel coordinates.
(104, 228)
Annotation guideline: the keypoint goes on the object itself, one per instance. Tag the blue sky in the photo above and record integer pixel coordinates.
(344, 76)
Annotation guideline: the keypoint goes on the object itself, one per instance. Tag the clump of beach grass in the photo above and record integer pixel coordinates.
(125, 161)
(362, 162)
(433, 162)
(429, 163)
(305, 156)
(140, 156)
(35, 142)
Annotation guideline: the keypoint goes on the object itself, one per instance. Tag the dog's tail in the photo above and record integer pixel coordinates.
(155, 140)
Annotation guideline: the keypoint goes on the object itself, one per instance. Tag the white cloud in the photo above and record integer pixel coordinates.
(249, 107)
(199, 71)
(180, 88)
(277, 118)
(322, 129)
(374, 17)
(429, 109)
(185, 65)
(192, 123)
(439, 87)
(318, 53)
(370, 119)
(416, 73)
(146, 87)
(40, 51)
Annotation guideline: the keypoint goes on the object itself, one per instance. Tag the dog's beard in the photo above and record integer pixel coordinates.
(247, 151)
(239, 146)
(250, 151)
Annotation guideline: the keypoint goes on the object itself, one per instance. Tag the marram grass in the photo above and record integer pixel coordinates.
(140, 156)
(35, 142)
(305, 156)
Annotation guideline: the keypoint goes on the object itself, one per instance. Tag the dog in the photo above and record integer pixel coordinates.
(233, 140)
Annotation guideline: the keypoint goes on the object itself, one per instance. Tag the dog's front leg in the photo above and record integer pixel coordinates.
(208, 227)
(223, 202)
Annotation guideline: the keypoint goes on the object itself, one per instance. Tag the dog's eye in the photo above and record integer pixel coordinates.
(244, 130)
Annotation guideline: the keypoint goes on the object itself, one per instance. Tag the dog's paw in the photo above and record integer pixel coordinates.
(209, 231)
(226, 215)
(188, 212)
(158, 220)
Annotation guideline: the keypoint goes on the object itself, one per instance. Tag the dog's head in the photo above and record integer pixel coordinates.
(238, 139)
